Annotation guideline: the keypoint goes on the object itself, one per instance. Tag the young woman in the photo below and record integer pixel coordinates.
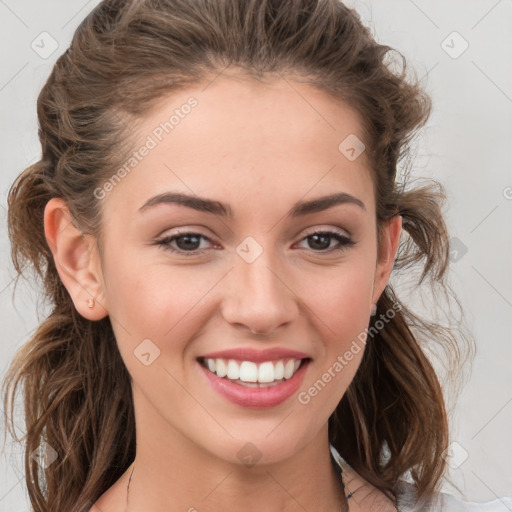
(215, 217)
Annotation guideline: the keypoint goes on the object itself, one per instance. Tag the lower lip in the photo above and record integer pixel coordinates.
(256, 397)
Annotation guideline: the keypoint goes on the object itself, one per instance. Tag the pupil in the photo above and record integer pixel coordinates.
(185, 241)
(187, 244)
(325, 237)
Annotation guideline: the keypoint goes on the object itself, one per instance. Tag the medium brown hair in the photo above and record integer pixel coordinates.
(392, 421)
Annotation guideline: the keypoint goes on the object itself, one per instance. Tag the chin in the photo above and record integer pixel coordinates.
(255, 446)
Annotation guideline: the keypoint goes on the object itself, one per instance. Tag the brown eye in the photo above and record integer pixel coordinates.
(185, 243)
(320, 241)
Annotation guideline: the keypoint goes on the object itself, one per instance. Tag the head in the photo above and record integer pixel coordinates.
(254, 121)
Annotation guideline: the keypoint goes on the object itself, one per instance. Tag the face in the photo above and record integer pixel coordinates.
(238, 272)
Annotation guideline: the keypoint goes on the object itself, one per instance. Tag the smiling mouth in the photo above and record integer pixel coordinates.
(251, 374)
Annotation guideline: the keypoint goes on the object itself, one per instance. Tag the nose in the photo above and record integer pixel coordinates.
(258, 297)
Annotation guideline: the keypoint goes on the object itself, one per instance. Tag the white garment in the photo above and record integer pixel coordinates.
(442, 502)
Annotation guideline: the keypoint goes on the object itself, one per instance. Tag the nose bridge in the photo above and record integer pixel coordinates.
(258, 296)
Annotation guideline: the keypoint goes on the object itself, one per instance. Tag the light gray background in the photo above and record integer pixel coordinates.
(466, 146)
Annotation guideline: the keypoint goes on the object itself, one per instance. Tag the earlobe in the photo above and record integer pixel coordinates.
(386, 255)
(75, 257)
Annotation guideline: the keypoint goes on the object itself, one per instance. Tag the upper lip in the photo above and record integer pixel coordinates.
(257, 356)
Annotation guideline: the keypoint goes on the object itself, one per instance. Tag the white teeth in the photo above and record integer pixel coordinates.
(251, 372)
(288, 369)
(219, 367)
(248, 371)
(279, 370)
(266, 372)
(233, 370)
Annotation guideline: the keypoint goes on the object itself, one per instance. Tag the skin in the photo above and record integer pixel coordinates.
(259, 148)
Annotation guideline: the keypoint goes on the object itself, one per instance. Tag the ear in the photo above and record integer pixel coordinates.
(386, 255)
(76, 259)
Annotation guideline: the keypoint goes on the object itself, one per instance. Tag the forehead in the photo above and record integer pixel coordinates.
(236, 113)
(231, 135)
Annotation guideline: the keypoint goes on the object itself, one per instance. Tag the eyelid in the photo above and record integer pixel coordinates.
(309, 231)
(164, 241)
(331, 229)
(342, 237)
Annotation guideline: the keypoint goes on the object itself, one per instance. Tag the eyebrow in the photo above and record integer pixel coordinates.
(299, 209)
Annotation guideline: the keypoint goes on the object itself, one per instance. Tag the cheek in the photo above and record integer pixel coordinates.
(341, 296)
(144, 305)
(341, 307)
(143, 294)
(162, 304)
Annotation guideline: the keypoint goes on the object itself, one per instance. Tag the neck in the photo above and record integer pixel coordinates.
(172, 474)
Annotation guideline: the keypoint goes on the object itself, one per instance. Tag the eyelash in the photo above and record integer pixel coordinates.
(344, 242)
